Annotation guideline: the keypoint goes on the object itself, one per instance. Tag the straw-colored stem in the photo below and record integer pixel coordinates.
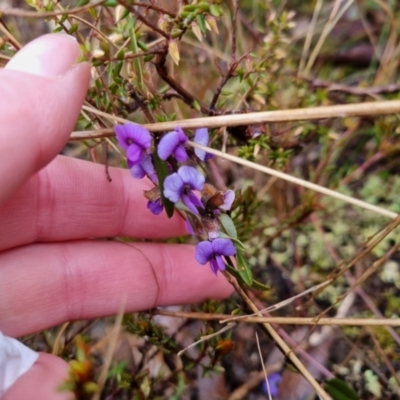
(301, 182)
(223, 318)
(297, 114)
(286, 350)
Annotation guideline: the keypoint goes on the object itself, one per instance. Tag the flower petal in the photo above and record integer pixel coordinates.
(173, 187)
(131, 133)
(220, 263)
(201, 137)
(190, 176)
(214, 266)
(203, 252)
(167, 145)
(229, 198)
(134, 153)
(173, 143)
(189, 227)
(223, 247)
(148, 166)
(155, 207)
(122, 134)
(180, 154)
(137, 171)
(189, 203)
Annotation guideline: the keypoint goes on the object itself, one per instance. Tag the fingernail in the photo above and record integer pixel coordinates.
(50, 55)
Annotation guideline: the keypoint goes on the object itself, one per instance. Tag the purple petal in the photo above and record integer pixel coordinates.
(137, 171)
(229, 198)
(122, 134)
(214, 266)
(189, 227)
(203, 252)
(148, 166)
(220, 263)
(180, 154)
(169, 144)
(134, 153)
(190, 176)
(190, 200)
(131, 133)
(155, 207)
(173, 187)
(274, 380)
(223, 247)
(182, 137)
(201, 137)
(145, 167)
(213, 235)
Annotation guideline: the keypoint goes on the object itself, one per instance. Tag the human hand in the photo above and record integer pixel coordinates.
(50, 207)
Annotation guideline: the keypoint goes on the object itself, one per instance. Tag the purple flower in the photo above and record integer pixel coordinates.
(274, 380)
(201, 137)
(145, 167)
(189, 227)
(155, 207)
(179, 186)
(173, 143)
(135, 140)
(229, 198)
(212, 252)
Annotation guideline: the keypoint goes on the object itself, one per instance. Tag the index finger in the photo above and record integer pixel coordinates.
(71, 199)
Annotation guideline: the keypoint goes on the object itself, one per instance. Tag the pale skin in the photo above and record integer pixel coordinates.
(51, 208)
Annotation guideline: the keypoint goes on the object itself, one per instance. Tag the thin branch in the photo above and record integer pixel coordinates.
(286, 350)
(17, 12)
(154, 7)
(207, 337)
(162, 71)
(373, 108)
(140, 17)
(225, 318)
(298, 181)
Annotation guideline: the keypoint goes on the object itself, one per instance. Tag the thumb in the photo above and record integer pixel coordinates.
(41, 93)
(42, 381)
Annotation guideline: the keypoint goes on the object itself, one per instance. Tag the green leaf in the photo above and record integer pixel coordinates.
(82, 3)
(215, 10)
(243, 268)
(339, 390)
(162, 172)
(74, 28)
(260, 286)
(196, 105)
(201, 20)
(110, 3)
(255, 284)
(117, 68)
(228, 225)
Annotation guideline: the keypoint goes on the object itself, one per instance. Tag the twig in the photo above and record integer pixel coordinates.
(336, 14)
(155, 8)
(140, 17)
(207, 337)
(263, 367)
(162, 71)
(281, 343)
(17, 12)
(298, 114)
(225, 318)
(304, 183)
(110, 351)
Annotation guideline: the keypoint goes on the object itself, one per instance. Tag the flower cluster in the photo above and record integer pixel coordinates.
(180, 186)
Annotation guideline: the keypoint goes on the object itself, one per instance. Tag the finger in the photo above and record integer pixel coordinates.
(71, 199)
(42, 381)
(41, 95)
(43, 285)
